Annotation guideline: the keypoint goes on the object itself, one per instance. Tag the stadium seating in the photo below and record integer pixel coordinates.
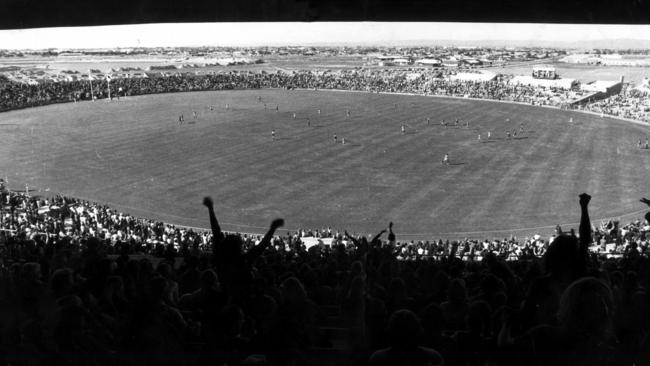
(18, 95)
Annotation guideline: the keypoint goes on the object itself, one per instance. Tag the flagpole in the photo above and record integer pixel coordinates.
(109, 87)
(90, 78)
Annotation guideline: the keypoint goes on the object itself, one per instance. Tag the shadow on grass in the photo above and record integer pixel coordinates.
(462, 163)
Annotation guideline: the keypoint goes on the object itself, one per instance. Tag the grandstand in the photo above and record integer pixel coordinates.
(561, 83)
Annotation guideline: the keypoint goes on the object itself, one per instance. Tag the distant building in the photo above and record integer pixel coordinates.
(450, 62)
(545, 72)
(70, 54)
(582, 59)
(472, 62)
(402, 61)
(428, 62)
(563, 83)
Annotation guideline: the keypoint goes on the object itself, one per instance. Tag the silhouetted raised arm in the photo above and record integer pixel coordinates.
(585, 227)
(354, 240)
(217, 235)
(266, 241)
(378, 236)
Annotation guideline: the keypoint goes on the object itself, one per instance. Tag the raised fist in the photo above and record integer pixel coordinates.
(207, 201)
(584, 199)
(277, 223)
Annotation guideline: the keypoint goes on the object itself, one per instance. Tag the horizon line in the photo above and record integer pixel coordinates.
(258, 34)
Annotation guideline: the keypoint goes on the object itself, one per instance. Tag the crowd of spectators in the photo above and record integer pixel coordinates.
(53, 219)
(17, 95)
(75, 293)
(634, 104)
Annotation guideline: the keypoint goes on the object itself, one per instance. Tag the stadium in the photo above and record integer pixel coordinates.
(135, 220)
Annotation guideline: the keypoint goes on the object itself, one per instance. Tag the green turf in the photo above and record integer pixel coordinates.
(133, 155)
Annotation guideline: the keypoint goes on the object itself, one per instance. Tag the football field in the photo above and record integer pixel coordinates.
(133, 155)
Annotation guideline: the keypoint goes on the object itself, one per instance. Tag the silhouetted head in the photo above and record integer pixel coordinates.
(404, 329)
(456, 291)
(356, 268)
(31, 271)
(164, 269)
(562, 255)
(397, 287)
(62, 282)
(432, 318)
(478, 316)
(293, 290)
(115, 283)
(491, 284)
(357, 288)
(233, 317)
(586, 307)
(192, 261)
(209, 280)
(232, 246)
(158, 288)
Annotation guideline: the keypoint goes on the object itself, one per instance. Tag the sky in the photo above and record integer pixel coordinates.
(274, 34)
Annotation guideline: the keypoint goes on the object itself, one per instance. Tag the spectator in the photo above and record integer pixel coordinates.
(454, 310)
(404, 331)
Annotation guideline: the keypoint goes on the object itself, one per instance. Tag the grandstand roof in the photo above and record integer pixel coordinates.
(543, 68)
(401, 60)
(428, 61)
(389, 57)
(565, 83)
(598, 85)
(473, 76)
